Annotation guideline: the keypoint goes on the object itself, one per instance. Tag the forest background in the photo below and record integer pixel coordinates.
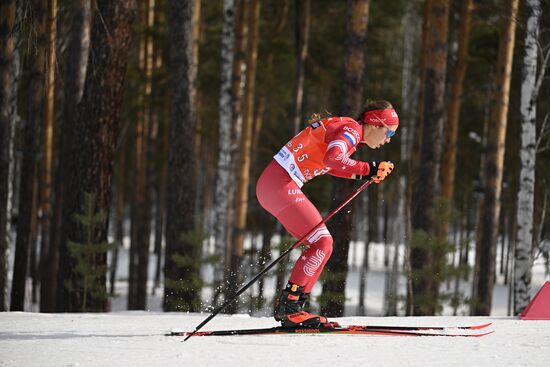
(142, 126)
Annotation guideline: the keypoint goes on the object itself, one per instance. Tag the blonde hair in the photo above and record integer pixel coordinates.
(316, 116)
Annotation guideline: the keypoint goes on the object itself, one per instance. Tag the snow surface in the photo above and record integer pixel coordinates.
(123, 338)
(137, 339)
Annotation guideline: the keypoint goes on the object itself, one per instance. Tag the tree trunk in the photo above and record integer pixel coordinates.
(47, 134)
(142, 199)
(75, 63)
(526, 195)
(448, 160)
(352, 93)
(221, 198)
(138, 167)
(417, 142)
(416, 135)
(264, 257)
(47, 143)
(238, 87)
(364, 237)
(301, 34)
(494, 162)
(243, 177)
(182, 281)
(425, 188)
(392, 275)
(158, 143)
(120, 192)
(161, 205)
(28, 165)
(7, 114)
(92, 149)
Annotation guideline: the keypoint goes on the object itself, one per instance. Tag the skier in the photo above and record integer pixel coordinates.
(322, 147)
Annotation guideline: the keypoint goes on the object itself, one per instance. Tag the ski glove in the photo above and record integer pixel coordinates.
(378, 171)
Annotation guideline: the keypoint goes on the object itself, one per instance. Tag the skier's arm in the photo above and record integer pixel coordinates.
(342, 175)
(341, 165)
(341, 143)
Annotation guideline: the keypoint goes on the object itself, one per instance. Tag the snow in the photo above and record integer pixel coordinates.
(123, 338)
(137, 339)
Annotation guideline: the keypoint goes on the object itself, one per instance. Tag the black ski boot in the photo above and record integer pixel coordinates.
(289, 309)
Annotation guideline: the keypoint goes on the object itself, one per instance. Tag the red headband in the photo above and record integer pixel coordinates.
(386, 116)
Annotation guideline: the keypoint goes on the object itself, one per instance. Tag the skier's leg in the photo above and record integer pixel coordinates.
(279, 195)
(308, 267)
(300, 220)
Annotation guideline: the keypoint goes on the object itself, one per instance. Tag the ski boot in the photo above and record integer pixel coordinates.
(289, 309)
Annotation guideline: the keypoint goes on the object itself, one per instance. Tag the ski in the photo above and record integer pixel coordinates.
(331, 328)
(420, 328)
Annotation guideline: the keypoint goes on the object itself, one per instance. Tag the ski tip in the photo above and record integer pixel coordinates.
(482, 326)
(482, 334)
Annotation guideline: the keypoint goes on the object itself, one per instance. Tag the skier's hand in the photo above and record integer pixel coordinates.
(379, 170)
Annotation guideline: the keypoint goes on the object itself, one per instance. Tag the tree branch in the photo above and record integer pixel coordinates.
(542, 71)
(539, 239)
(544, 130)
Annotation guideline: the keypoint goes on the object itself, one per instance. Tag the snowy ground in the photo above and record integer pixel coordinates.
(136, 339)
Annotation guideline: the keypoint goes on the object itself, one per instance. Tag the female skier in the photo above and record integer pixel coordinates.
(322, 147)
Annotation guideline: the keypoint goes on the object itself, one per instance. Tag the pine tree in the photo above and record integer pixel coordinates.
(333, 298)
(89, 267)
(494, 165)
(27, 197)
(425, 188)
(182, 265)
(92, 148)
(74, 64)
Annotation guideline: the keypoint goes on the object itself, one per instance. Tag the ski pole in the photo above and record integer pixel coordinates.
(274, 262)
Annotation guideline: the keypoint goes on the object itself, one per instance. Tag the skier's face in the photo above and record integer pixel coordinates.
(376, 136)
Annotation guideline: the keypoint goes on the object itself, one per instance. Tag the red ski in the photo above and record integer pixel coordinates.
(334, 328)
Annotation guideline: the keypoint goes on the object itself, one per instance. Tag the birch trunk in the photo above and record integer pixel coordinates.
(526, 196)
(221, 203)
(243, 177)
(409, 97)
(238, 87)
(7, 114)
